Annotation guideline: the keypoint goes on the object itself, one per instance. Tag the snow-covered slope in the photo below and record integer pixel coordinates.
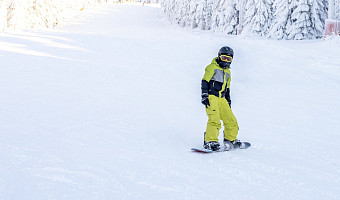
(109, 107)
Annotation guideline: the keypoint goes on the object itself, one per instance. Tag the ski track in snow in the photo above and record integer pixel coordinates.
(109, 107)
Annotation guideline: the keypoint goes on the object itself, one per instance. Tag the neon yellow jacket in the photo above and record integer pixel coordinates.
(216, 81)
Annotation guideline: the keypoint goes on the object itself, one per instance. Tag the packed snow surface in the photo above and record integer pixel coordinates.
(108, 107)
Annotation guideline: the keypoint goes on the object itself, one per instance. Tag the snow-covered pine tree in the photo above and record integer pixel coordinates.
(249, 12)
(293, 19)
(301, 25)
(224, 16)
(325, 7)
(270, 14)
(199, 14)
(281, 18)
(36, 13)
(231, 17)
(40, 14)
(15, 14)
(10, 18)
(51, 13)
(241, 4)
(221, 16)
(209, 12)
(217, 15)
(318, 17)
(183, 14)
(192, 14)
(3, 15)
(34, 17)
(168, 7)
(259, 18)
(176, 13)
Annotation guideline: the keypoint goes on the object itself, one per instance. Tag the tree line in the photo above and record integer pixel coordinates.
(277, 19)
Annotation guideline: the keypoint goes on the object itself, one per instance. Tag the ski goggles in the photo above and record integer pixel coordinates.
(226, 58)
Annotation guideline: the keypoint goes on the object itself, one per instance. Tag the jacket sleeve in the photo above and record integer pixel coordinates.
(209, 73)
(205, 87)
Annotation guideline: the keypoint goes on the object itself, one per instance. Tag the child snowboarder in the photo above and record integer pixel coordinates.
(216, 98)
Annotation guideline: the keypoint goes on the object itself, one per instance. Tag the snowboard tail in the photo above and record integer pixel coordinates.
(201, 150)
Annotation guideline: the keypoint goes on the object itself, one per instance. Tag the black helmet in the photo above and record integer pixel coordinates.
(225, 51)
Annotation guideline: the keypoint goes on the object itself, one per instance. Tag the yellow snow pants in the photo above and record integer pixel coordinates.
(219, 110)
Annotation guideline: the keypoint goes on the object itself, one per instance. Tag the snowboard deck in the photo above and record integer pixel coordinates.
(202, 150)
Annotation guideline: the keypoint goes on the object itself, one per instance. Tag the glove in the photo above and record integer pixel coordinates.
(205, 100)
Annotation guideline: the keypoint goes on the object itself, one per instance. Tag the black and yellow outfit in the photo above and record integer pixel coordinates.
(216, 83)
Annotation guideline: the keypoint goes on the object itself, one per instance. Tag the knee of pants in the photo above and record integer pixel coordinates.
(230, 124)
(215, 124)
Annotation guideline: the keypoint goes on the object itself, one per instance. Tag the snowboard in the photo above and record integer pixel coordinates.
(202, 150)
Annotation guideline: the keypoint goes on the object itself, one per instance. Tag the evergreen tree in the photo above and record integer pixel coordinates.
(241, 7)
(200, 14)
(217, 15)
(231, 17)
(281, 18)
(192, 14)
(259, 17)
(250, 12)
(318, 17)
(3, 15)
(278, 19)
(183, 13)
(301, 25)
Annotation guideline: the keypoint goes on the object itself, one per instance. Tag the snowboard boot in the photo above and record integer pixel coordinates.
(230, 145)
(211, 145)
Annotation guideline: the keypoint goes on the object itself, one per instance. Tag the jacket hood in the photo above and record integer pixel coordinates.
(214, 61)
